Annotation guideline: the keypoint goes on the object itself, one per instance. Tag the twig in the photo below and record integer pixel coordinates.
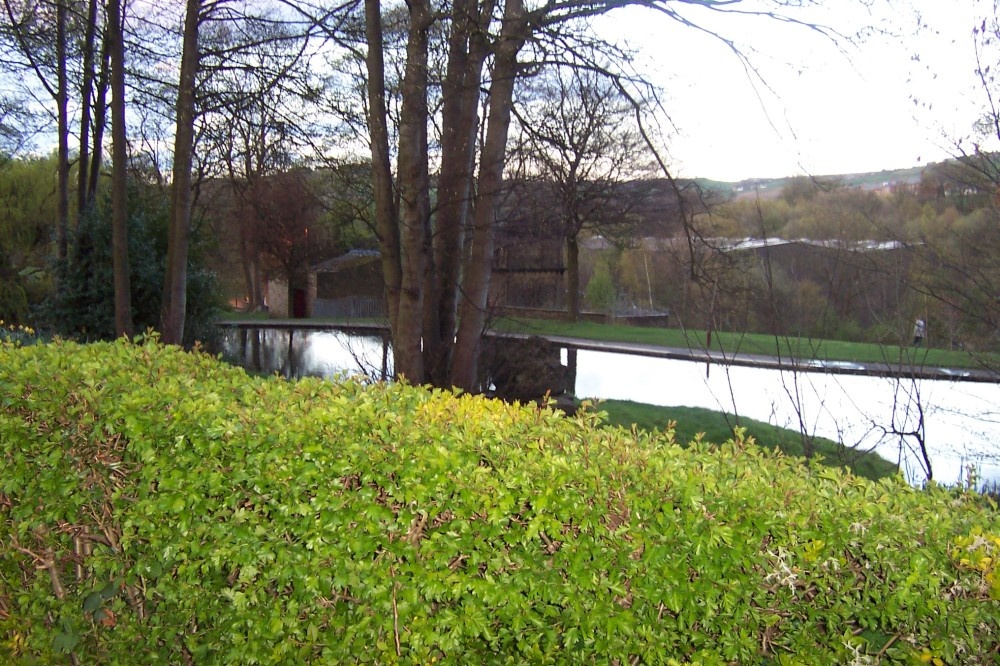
(395, 612)
(416, 530)
(57, 586)
(135, 601)
(78, 555)
(886, 646)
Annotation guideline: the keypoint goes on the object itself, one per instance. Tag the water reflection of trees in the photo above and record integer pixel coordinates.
(293, 353)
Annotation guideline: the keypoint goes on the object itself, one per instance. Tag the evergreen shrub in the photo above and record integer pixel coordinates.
(83, 308)
(161, 507)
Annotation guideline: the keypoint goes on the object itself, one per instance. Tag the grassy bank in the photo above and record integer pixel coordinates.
(695, 422)
(753, 343)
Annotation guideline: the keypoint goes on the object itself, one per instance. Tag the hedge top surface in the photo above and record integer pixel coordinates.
(158, 506)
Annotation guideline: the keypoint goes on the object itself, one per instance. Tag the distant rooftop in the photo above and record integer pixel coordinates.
(730, 244)
(347, 260)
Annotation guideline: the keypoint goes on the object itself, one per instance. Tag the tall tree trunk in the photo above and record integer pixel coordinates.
(414, 198)
(174, 307)
(386, 220)
(290, 291)
(86, 94)
(572, 277)
(249, 261)
(119, 176)
(100, 120)
(258, 281)
(467, 51)
(478, 272)
(62, 104)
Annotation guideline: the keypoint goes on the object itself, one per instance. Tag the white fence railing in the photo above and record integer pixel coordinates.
(352, 307)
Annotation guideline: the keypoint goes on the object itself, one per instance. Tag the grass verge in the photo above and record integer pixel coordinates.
(693, 423)
(754, 343)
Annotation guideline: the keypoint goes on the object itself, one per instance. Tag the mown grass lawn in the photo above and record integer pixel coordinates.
(753, 343)
(712, 426)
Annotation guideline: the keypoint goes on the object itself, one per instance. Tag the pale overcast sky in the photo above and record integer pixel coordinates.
(826, 112)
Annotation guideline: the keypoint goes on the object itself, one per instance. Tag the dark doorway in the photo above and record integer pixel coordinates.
(299, 304)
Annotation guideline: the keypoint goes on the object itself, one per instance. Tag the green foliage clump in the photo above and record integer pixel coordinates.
(160, 507)
(27, 208)
(600, 294)
(84, 306)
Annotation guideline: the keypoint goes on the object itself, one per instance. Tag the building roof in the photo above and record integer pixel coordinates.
(351, 259)
(833, 244)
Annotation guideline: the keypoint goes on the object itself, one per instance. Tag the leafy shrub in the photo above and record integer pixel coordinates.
(84, 306)
(600, 294)
(28, 205)
(160, 507)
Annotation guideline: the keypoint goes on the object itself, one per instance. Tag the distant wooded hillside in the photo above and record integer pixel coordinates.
(874, 180)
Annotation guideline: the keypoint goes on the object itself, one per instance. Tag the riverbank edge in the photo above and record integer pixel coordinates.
(892, 370)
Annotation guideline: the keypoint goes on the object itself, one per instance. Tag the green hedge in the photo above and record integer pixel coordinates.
(160, 507)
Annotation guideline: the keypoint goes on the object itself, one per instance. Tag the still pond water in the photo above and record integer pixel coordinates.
(961, 420)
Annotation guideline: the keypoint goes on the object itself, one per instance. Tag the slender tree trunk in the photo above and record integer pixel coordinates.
(119, 183)
(460, 120)
(386, 221)
(174, 307)
(100, 121)
(86, 95)
(476, 281)
(414, 198)
(572, 277)
(62, 104)
(248, 256)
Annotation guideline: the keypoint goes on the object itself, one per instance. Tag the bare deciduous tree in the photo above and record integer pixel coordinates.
(578, 162)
